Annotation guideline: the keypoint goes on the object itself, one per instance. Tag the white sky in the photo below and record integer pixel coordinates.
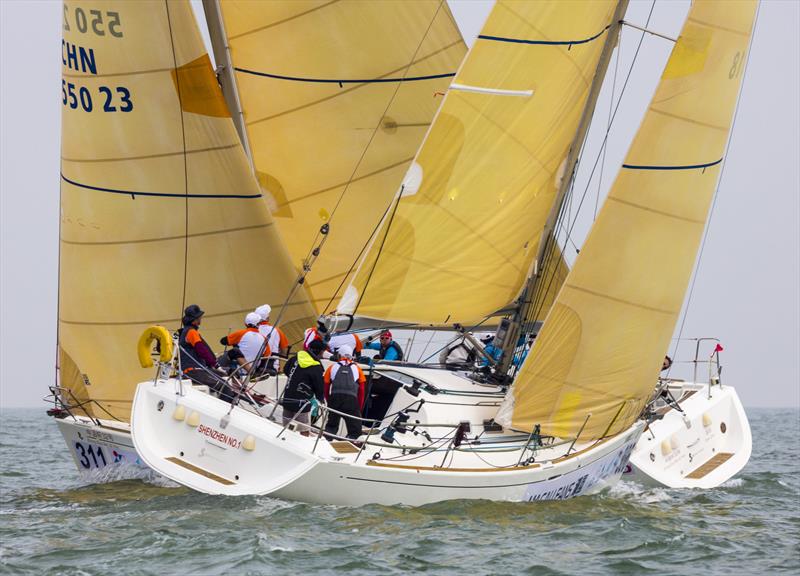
(748, 285)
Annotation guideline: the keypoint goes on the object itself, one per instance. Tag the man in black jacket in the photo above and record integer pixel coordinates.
(305, 382)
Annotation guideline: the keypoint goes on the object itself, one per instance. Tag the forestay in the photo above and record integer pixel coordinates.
(600, 351)
(336, 98)
(159, 208)
(460, 240)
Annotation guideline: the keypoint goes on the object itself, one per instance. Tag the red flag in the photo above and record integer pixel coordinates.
(718, 348)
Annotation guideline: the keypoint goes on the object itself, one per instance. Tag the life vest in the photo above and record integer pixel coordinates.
(351, 340)
(189, 357)
(311, 334)
(251, 342)
(396, 348)
(277, 339)
(344, 380)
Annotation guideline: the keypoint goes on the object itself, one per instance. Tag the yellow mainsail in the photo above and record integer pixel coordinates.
(460, 240)
(336, 98)
(599, 353)
(159, 208)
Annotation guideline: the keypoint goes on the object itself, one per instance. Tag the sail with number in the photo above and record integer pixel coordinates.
(601, 347)
(463, 234)
(159, 208)
(336, 98)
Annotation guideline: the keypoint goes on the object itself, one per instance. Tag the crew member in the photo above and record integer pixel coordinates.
(305, 381)
(344, 392)
(246, 343)
(346, 339)
(494, 352)
(318, 332)
(198, 362)
(277, 339)
(387, 348)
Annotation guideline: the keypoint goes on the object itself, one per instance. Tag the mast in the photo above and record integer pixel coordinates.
(225, 75)
(524, 301)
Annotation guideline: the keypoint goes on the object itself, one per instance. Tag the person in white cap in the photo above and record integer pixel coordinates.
(344, 392)
(247, 342)
(277, 339)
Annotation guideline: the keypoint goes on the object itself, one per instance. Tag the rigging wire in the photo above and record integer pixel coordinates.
(716, 194)
(185, 164)
(608, 125)
(357, 259)
(613, 117)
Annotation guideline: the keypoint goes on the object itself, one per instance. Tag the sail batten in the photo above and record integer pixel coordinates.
(602, 345)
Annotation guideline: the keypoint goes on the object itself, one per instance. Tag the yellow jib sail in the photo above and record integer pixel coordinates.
(159, 208)
(464, 233)
(601, 348)
(331, 126)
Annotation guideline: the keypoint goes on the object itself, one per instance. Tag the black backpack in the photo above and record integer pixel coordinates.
(344, 383)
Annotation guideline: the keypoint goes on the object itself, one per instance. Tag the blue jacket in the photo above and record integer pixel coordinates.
(391, 351)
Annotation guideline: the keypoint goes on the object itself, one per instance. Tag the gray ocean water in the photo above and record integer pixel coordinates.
(51, 522)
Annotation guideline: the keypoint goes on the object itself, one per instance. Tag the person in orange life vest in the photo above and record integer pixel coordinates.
(319, 332)
(344, 392)
(345, 339)
(198, 362)
(277, 339)
(246, 343)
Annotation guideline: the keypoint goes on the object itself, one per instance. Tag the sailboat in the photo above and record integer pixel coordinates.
(495, 163)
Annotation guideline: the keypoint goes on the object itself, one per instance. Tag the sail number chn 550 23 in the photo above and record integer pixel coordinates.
(83, 59)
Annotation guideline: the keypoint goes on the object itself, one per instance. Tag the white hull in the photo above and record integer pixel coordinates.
(182, 437)
(702, 447)
(101, 452)
(681, 457)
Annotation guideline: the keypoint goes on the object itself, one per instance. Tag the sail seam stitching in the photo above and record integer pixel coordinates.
(166, 238)
(341, 184)
(279, 22)
(619, 300)
(162, 320)
(654, 211)
(150, 156)
(685, 119)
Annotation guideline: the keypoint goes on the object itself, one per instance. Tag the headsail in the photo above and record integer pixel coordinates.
(337, 97)
(159, 208)
(602, 345)
(460, 242)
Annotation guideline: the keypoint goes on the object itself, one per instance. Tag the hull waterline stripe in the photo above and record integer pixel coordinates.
(157, 194)
(688, 167)
(543, 42)
(341, 81)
